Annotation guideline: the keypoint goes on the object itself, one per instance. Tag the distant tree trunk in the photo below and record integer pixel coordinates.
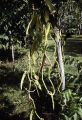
(13, 56)
(59, 55)
(80, 24)
(13, 53)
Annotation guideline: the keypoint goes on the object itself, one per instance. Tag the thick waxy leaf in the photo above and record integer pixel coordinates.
(75, 116)
(80, 112)
(46, 16)
(49, 4)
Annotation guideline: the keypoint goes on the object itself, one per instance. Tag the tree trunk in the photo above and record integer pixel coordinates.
(13, 57)
(59, 55)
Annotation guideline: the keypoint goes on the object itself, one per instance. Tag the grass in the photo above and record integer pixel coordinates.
(75, 38)
(19, 99)
(13, 101)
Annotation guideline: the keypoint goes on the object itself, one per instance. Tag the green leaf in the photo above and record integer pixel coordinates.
(67, 95)
(28, 27)
(31, 24)
(80, 112)
(81, 99)
(49, 4)
(75, 116)
(46, 16)
(66, 117)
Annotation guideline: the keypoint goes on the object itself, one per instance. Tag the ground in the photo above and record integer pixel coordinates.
(14, 103)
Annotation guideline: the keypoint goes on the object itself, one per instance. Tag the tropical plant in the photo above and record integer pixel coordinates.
(43, 23)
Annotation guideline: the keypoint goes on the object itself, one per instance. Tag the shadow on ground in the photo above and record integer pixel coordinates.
(6, 54)
(9, 77)
(73, 47)
(6, 113)
(11, 97)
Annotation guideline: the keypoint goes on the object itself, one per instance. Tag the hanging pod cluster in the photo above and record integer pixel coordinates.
(38, 30)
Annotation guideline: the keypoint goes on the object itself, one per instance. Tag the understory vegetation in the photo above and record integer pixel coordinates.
(15, 104)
